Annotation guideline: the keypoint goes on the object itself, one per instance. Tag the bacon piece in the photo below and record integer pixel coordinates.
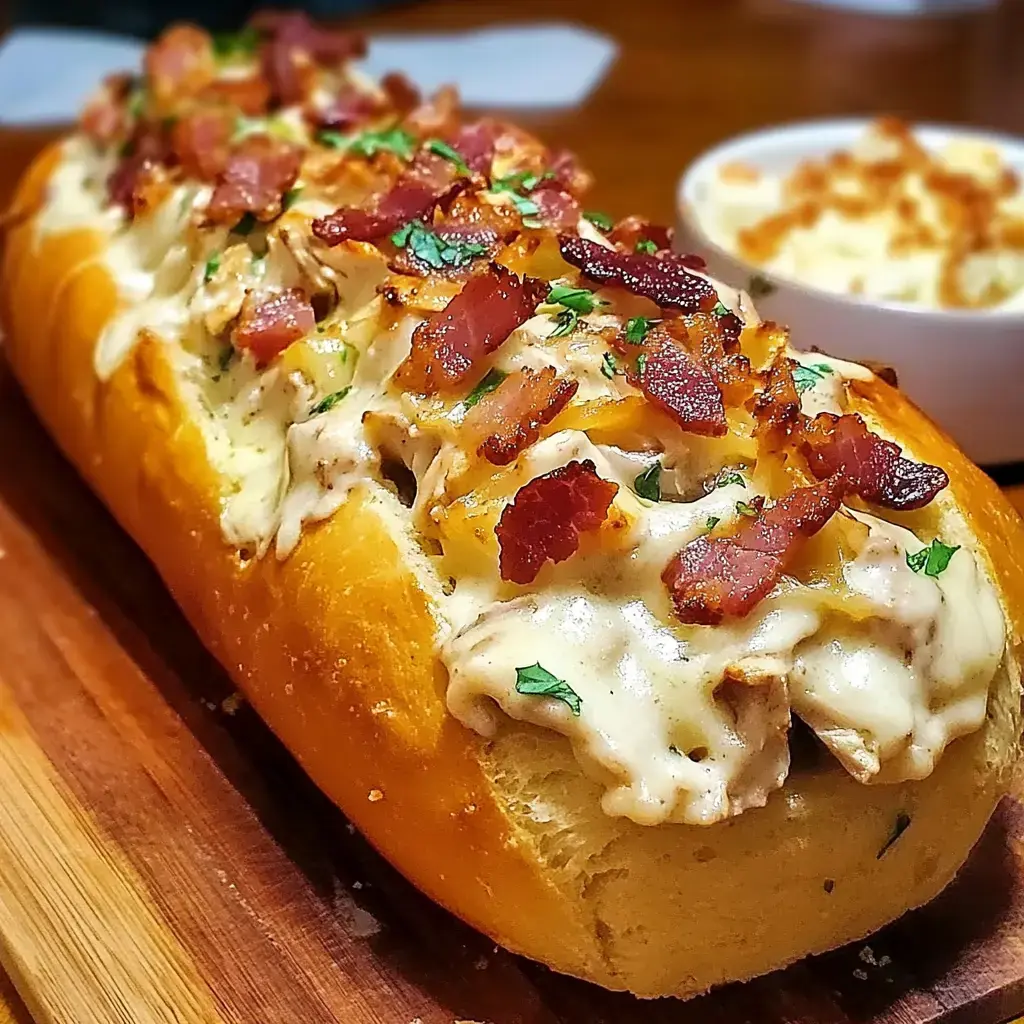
(508, 420)
(258, 173)
(438, 116)
(427, 184)
(447, 347)
(179, 65)
(544, 521)
(777, 405)
(105, 117)
(146, 151)
(249, 95)
(269, 323)
(871, 466)
(475, 144)
(558, 209)
(402, 95)
(715, 577)
(630, 230)
(201, 142)
(295, 45)
(664, 282)
(345, 111)
(567, 174)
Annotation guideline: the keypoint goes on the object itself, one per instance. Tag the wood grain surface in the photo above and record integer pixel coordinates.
(162, 858)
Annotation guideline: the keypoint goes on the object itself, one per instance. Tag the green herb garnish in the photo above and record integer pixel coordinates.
(565, 323)
(137, 102)
(580, 299)
(647, 246)
(233, 45)
(535, 680)
(245, 225)
(648, 483)
(805, 377)
(744, 508)
(759, 286)
(493, 378)
(599, 219)
(720, 308)
(637, 328)
(212, 266)
(609, 365)
(514, 186)
(900, 826)
(433, 250)
(641, 364)
(441, 148)
(369, 144)
(290, 198)
(330, 401)
(933, 559)
(711, 522)
(727, 477)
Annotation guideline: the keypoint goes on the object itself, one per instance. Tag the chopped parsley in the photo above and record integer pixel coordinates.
(900, 826)
(441, 148)
(433, 250)
(137, 102)
(291, 197)
(565, 323)
(637, 328)
(514, 185)
(609, 365)
(535, 680)
(933, 559)
(720, 308)
(490, 382)
(599, 219)
(212, 266)
(235, 45)
(646, 246)
(579, 299)
(648, 483)
(759, 286)
(369, 144)
(330, 401)
(805, 377)
(727, 477)
(245, 225)
(744, 508)
(641, 364)
(711, 522)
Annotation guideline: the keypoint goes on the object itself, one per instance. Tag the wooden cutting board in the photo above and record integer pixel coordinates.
(163, 859)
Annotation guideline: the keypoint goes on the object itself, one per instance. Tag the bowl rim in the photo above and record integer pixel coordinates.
(699, 168)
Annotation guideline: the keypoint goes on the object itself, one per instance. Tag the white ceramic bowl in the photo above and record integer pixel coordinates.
(964, 367)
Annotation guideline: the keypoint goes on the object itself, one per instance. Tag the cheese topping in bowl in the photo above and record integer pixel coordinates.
(887, 219)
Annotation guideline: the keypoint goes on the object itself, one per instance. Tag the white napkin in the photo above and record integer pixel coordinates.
(47, 74)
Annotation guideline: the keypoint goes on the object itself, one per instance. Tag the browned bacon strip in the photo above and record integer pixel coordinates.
(146, 152)
(201, 142)
(475, 144)
(508, 420)
(631, 230)
(547, 516)
(716, 577)
(258, 173)
(269, 323)
(558, 209)
(408, 200)
(777, 404)
(178, 65)
(665, 282)
(871, 466)
(293, 44)
(105, 117)
(448, 347)
(251, 95)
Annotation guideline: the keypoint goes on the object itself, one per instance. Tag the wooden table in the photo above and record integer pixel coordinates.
(689, 74)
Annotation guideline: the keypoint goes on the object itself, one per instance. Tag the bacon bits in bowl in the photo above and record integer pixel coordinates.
(878, 242)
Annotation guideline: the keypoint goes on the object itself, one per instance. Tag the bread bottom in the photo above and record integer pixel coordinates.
(335, 648)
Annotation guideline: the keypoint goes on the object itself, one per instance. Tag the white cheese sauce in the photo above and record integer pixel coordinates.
(678, 723)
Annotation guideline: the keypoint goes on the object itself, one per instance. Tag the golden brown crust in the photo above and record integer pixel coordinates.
(335, 647)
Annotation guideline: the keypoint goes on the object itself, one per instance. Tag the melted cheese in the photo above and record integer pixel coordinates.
(678, 723)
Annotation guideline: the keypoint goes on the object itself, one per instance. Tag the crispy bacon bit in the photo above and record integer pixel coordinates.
(180, 64)
(675, 381)
(558, 209)
(664, 282)
(269, 323)
(402, 95)
(345, 111)
(258, 173)
(249, 95)
(146, 151)
(631, 230)
(716, 577)
(439, 115)
(508, 420)
(201, 142)
(567, 174)
(475, 144)
(544, 521)
(777, 405)
(448, 347)
(294, 45)
(871, 466)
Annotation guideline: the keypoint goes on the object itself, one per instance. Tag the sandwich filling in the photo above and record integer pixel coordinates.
(645, 522)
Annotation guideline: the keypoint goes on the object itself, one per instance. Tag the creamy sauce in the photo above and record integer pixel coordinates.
(678, 723)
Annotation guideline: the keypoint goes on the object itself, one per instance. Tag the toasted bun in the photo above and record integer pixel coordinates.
(508, 834)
